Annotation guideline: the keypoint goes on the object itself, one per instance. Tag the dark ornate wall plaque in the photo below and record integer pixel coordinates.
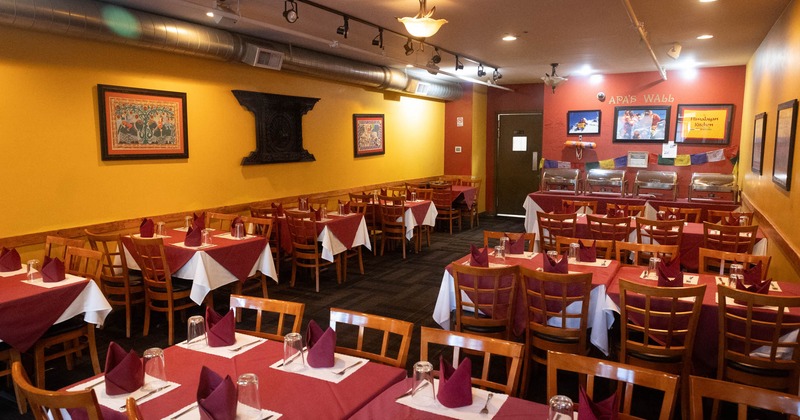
(279, 126)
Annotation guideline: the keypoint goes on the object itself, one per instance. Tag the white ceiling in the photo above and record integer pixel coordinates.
(574, 33)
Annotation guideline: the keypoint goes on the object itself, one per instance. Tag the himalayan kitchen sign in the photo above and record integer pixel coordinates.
(704, 124)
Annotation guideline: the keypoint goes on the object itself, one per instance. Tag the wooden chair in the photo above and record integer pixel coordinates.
(359, 208)
(487, 347)
(627, 378)
(547, 295)
(320, 202)
(423, 193)
(9, 355)
(719, 262)
(472, 212)
(118, 285)
(393, 221)
(629, 253)
(45, 404)
(580, 205)
(514, 236)
(739, 239)
(261, 227)
(306, 251)
(269, 308)
(388, 328)
(132, 410)
(452, 179)
(489, 310)
(396, 191)
(162, 294)
(75, 334)
(443, 200)
(613, 228)
(372, 216)
(658, 329)
(552, 225)
(416, 184)
(661, 232)
(633, 210)
(716, 216)
(742, 395)
(275, 235)
(56, 246)
(688, 214)
(604, 247)
(220, 221)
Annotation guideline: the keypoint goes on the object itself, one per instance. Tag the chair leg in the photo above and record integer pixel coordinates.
(294, 273)
(340, 275)
(38, 361)
(264, 286)
(146, 328)
(344, 268)
(360, 262)
(171, 325)
(93, 348)
(316, 275)
(128, 316)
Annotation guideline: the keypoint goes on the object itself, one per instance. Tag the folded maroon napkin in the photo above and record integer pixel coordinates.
(316, 213)
(383, 191)
(455, 384)
(53, 270)
(567, 208)
(147, 228)
(408, 194)
(730, 220)
(620, 211)
(278, 209)
(761, 287)
(667, 278)
(199, 221)
(672, 268)
(479, 257)
(550, 266)
(516, 247)
(194, 236)
(345, 207)
(124, 372)
(587, 253)
(220, 329)
(235, 220)
(216, 397)
(752, 275)
(9, 260)
(668, 214)
(321, 346)
(607, 409)
(107, 412)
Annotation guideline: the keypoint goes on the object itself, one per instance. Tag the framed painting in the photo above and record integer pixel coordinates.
(784, 144)
(641, 124)
(368, 135)
(759, 131)
(704, 124)
(583, 122)
(142, 123)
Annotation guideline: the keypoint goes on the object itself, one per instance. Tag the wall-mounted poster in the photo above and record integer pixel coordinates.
(368, 135)
(583, 122)
(759, 131)
(704, 124)
(637, 159)
(646, 124)
(784, 144)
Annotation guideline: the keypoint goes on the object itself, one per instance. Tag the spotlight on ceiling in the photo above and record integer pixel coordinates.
(675, 51)
(496, 75)
(290, 11)
(459, 65)
(409, 47)
(553, 80)
(344, 29)
(436, 58)
(378, 40)
(481, 72)
(422, 25)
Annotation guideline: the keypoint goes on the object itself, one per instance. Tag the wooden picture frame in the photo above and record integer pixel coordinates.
(784, 144)
(368, 135)
(641, 124)
(142, 123)
(586, 122)
(759, 131)
(707, 124)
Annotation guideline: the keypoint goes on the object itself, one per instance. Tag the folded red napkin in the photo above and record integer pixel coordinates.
(455, 384)
(147, 228)
(108, 413)
(672, 268)
(479, 257)
(235, 220)
(667, 278)
(278, 209)
(124, 371)
(321, 346)
(194, 236)
(53, 270)
(607, 409)
(516, 247)
(620, 211)
(383, 191)
(752, 275)
(550, 266)
(345, 207)
(669, 214)
(9, 260)
(408, 194)
(567, 208)
(199, 221)
(761, 287)
(216, 397)
(220, 329)
(587, 253)
(730, 220)
(316, 213)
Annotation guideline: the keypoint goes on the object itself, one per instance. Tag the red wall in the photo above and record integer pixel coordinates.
(458, 163)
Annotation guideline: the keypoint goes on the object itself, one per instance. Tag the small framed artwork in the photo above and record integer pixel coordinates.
(368, 135)
(641, 124)
(638, 159)
(784, 144)
(704, 124)
(142, 123)
(583, 122)
(759, 131)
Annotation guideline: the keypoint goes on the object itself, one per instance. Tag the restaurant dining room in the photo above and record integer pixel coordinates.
(329, 209)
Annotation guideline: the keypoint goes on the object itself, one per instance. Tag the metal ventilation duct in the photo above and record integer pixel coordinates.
(86, 19)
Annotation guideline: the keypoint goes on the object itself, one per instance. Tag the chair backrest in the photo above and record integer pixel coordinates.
(658, 323)
(713, 261)
(662, 232)
(486, 346)
(578, 206)
(363, 197)
(84, 262)
(604, 248)
(392, 213)
(56, 246)
(514, 236)
(423, 193)
(221, 221)
(132, 410)
(689, 214)
(442, 196)
(155, 268)
(739, 239)
(115, 263)
(390, 328)
(552, 225)
(396, 191)
(613, 228)
(263, 212)
(631, 209)
(716, 216)
(491, 299)
(260, 226)
(304, 235)
(318, 202)
(45, 403)
(631, 253)
(266, 310)
(627, 377)
(743, 396)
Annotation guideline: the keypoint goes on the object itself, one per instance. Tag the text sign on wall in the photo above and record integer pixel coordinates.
(704, 124)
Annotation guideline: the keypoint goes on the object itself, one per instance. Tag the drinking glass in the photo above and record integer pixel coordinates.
(553, 255)
(573, 251)
(653, 264)
(504, 241)
(323, 212)
(423, 380)
(206, 236)
(499, 252)
(160, 229)
(238, 230)
(413, 196)
(560, 408)
(661, 214)
(341, 209)
(249, 407)
(33, 269)
(303, 204)
(737, 272)
(187, 222)
(293, 352)
(155, 373)
(196, 332)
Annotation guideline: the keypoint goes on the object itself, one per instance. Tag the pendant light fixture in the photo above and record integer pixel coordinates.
(422, 25)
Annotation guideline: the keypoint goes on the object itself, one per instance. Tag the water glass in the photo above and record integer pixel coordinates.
(187, 222)
(323, 212)
(653, 264)
(504, 242)
(744, 220)
(196, 332)
(249, 406)
(293, 352)
(553, 255)
(206, 236)
(238, 230)
(661, 214)
(560, 408)
(155, 372)
(303, 204)
(499, 252)
(413, 196)
(423, 379)
(573, 251)
(33, 270)
(736, 273)
(341, 209)
(160, 229)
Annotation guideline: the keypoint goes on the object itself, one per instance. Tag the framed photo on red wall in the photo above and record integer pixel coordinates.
(641, 124)
(583, 122)
(704, 124)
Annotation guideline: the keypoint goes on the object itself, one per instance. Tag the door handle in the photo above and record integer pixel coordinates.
(534, 161)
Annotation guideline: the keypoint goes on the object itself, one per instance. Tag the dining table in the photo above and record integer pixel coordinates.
(210, 266)
(336, 233)
(419, 213)
(465, 194)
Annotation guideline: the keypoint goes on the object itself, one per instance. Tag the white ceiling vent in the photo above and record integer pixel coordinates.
(262, 57)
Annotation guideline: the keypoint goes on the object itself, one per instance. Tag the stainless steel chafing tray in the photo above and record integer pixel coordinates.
(713, 187)
(657, 184)
(605, 181)
(560, 180)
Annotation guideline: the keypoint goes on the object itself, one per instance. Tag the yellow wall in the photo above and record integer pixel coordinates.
(479, 141)
(53, 176)
(772, 79)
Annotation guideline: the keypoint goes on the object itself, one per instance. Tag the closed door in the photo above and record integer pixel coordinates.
(519, 146)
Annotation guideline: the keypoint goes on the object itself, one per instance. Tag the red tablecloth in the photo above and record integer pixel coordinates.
(550, 202)
(343, 227)
(419, 209)
(702, 205)
(467, 192)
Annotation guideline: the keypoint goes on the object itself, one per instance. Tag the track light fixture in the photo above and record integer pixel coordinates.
(496, 75)
(409, 47)
(459, 65)
(290, 11)
(436, 58)
(344, 29)
(481, 72)
(378, 40)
